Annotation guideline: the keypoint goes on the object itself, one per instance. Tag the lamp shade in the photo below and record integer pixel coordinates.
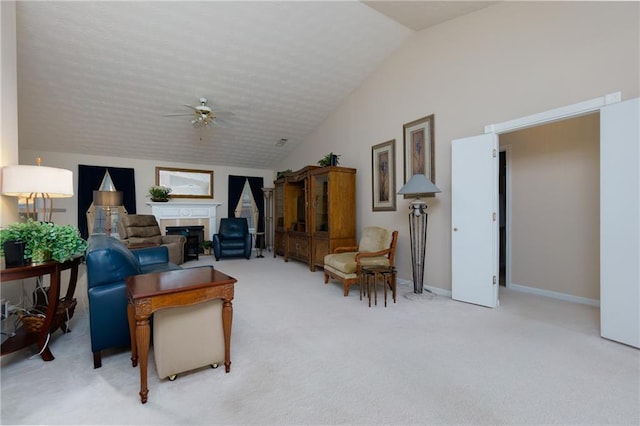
(418, 185)
(107, 198)
(22, 181)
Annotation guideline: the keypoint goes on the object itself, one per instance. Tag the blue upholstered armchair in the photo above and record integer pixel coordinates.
(109, 263)
(233, 238)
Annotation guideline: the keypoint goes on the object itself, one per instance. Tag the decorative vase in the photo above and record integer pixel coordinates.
(14, 254)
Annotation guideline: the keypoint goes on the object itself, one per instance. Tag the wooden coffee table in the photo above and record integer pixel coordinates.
(148, 293)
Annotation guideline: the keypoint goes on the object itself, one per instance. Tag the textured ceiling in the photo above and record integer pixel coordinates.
(97, 77)
(419, 15)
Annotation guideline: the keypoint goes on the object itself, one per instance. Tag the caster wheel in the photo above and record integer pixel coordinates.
(172, 377)
(214, 365)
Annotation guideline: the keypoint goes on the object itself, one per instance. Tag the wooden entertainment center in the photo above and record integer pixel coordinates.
(315, 212)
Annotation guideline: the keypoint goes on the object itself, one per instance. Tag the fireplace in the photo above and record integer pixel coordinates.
(195, 236)
(180, 213)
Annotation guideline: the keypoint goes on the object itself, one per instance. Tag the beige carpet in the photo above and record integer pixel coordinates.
(304, 354)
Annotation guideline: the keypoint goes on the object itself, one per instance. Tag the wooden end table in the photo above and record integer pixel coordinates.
(370, 275)
(148, 293)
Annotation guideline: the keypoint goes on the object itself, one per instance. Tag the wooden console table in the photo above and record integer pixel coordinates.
(54, 316)
(148, 293)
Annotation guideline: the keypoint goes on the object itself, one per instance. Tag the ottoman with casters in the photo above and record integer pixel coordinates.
(187, 338)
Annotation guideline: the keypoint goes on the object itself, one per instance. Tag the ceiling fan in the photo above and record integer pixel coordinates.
(202, 115)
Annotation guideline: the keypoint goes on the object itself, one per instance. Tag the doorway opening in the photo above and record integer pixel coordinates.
(474, 274)
(549, 200)
(502, 216)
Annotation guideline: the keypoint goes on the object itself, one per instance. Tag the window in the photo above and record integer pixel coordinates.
(247, 207)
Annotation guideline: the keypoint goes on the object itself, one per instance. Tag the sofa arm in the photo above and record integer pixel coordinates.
(181, 240)
(151, 255)
(108, 316)
(216, 245)
(248, 242)
(108, 260)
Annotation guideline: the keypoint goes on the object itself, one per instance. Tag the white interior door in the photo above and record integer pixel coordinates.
(620, 222)
(474, 210)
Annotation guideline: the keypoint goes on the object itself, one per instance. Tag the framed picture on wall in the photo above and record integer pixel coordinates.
(419, 153)
(186, 183)
(383, 176)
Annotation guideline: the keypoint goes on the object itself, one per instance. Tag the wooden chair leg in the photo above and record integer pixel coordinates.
(326, 278)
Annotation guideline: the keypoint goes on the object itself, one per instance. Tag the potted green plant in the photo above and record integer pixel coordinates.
(282, 173)
(44, 241)
(330, 159)
(206, 247)
(159, 193)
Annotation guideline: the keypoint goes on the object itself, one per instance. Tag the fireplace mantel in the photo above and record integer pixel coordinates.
(178, 210)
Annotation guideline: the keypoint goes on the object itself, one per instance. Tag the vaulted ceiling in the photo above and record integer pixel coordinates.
(98, 77)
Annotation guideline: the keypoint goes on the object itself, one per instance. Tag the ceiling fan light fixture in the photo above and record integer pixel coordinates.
(203, 114)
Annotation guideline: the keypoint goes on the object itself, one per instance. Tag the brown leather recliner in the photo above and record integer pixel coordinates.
(142, 230)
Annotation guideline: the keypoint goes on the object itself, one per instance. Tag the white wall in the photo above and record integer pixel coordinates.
(8, 104)
(144, 175)
(500, 63)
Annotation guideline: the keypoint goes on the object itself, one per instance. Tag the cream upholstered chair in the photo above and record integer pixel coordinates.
(377, 248)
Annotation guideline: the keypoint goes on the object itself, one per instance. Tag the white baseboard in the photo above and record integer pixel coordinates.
(436, 290)
(517, 287)
(555, 295)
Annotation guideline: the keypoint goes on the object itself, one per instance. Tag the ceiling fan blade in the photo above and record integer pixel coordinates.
(179, 113)
(219, 122)
(192, 107)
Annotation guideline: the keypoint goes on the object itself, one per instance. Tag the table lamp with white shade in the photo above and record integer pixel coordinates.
(37, 182)
(107, 200)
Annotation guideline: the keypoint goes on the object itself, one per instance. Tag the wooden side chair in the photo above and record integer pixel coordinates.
(377, 247)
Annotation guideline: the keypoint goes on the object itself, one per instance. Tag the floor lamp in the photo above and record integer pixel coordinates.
(106, 200)
(268, 217)
(418, 186)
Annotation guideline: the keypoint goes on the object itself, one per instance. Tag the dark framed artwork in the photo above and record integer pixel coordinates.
(186, 183)
(383, 176)
(419, 152)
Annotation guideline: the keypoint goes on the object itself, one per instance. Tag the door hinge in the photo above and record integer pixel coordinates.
(495, 153)
(495, 280)
(494, 216)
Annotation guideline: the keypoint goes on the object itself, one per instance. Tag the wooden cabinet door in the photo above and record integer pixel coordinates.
(317, 213)
(279, 243)
(298, 246)
(320, 250)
